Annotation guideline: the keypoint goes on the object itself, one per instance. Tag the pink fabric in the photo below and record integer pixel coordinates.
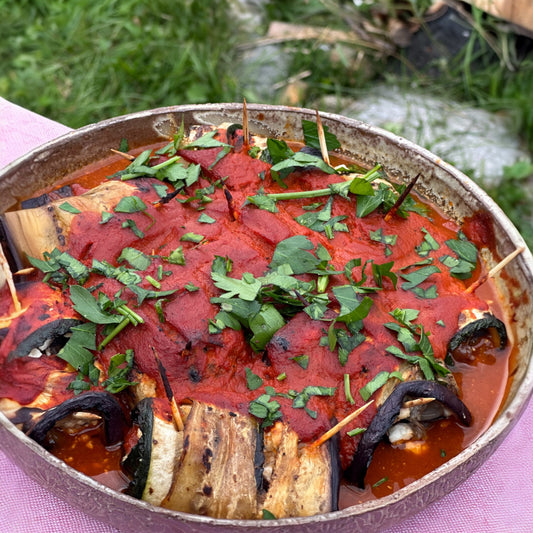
(498, 497)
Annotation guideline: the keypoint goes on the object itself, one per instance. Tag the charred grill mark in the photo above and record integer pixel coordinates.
(282, 342)
(14, 260)
(194, 375)
(259, 461)
(265, 358)
(333, 446)
(207, 457)
(44, 199)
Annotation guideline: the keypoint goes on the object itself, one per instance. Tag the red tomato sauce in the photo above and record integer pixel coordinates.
(212, 367)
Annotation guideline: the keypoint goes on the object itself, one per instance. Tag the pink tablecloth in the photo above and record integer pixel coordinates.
(497, 498)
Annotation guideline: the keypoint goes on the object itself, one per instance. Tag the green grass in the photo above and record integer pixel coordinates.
(81, 61)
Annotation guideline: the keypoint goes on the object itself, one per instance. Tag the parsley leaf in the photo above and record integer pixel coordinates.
(427, 245)
(137, 259)
(418, 276)
(129, 223)
(246, 288)
(120, 366)
(192, 237)
(406, 332)
(253, 381)
(300, 399)
(322, 221)
(76, 350)
(87, 306)
(466, 261)
(387, 240)
(294, 252)
(265, 408)
(130, 204)
(299, 160)
(206, 219)
(301, 360)
(207, 141)
(65, 206)
(352, 308)
(263, 326)
(311, 138)
(374, 384)
(176, 257)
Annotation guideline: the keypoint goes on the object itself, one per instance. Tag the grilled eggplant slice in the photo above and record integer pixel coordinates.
(303, 480)
(216, 474)
(387, 415)
(475, 324)
(50, 336)
(34, 231)
(151, 461)
(101, 403)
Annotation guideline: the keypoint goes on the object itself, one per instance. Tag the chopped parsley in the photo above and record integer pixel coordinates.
(465, 262)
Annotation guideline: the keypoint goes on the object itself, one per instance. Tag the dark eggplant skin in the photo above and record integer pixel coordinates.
(259, 460)
(44, 199)
(310, 150)
(52, 330)
(101, 403)
(336, 469)
(474, 328)
(137, 463)
(387, 415)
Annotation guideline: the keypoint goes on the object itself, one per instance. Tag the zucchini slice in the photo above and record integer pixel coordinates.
(152, 460)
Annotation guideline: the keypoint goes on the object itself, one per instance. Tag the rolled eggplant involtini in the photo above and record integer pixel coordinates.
(216, 473)
(388, 415)
(475, 325)
(152, 460)
(224, 466)
(41, 229)
(299, 479)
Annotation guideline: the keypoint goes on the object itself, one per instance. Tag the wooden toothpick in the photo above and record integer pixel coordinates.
(322, 139)
(245, 128)
(493, 271)
(417, 401)
(176, 415)
(4, 266)
(337, 427)
(129, 157)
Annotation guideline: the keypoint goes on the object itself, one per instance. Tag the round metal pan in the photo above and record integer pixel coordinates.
(440, 182)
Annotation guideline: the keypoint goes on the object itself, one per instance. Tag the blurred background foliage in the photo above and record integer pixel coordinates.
(81, 61)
